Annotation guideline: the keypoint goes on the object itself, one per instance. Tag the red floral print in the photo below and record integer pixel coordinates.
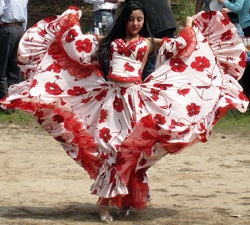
(103, 116)
(177, 65)
(77, 91)
(183, 91)
(242, 62)
(101, 95)
(43, 33)
(200, 63)
(154, 94)
(104, 134)
(58, 118)
(55, 67)
(226, 36)
(141, 53)
(72, 34)
(123, 50)
(193, 109)
(128, 67)
(53, 88)
(118, 104)
(34, 83)
(163, 87)
(84, 45)
(160, 119)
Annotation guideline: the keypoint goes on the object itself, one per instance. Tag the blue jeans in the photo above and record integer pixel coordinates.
(105, 17)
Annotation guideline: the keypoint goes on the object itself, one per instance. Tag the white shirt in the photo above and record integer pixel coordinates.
(101, 4)
(13, 11)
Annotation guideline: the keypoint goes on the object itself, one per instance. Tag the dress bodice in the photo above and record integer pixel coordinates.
(126, 60)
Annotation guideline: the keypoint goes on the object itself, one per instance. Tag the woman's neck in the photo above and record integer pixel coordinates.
(131, 37)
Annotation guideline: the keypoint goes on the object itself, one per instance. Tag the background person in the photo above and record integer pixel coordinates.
(13, 21)
(104, 12)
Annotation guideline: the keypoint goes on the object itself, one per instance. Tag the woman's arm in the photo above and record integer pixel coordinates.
(234, 7)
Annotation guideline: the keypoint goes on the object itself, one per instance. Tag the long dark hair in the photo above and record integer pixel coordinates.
(118, 29)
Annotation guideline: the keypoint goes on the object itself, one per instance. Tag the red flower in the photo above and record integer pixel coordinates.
(193, 109)
(154, 94)
(200, 63)
(177, 65)
(53, 88)
(58, 118)
(71, 36)
(34, 83)
(76, 91)
(84, 45)
(117, 104)
(54, 67)
(160, 119)
(103, 116)
(208, 15)
(242, 62)
(226, 35)
(163, 86)
(225, 21)
(174, 123)
(102, 95)
(43, 33)
(141, 53)
(129, 67)
(183, 92)
(104, 134)
(123, 50)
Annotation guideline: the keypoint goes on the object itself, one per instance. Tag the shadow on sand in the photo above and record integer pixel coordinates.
(78, 212)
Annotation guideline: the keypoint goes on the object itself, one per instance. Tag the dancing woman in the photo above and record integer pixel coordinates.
(117, 127)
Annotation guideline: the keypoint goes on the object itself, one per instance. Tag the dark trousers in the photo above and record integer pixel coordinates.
(9, 71)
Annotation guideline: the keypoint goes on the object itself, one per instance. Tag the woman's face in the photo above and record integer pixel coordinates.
(135, 22)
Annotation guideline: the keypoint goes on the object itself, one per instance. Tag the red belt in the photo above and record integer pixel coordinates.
(11, 24)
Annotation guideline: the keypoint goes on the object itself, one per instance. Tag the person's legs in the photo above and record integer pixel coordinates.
(106, 18)
(4, 56)
(9, 71)
(104, 210)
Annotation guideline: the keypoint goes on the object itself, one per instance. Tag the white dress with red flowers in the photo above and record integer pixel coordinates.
(117, 129)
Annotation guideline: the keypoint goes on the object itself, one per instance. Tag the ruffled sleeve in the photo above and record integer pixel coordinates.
(60, 38)
(181, 47)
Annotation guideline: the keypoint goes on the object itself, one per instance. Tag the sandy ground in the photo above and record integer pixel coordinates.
(205, 184)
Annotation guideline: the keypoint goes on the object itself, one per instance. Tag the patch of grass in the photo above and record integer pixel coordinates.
(234, 122)
(21, 118)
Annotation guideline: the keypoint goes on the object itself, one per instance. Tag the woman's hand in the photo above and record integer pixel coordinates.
(221, 2)
(189, 21)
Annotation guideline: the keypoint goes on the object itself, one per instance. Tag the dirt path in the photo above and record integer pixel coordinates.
(206, 184)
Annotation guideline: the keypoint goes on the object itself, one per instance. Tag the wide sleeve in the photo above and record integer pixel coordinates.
(181, 47)
(58, 38)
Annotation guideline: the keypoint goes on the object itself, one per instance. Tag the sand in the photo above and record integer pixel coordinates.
(208, 183)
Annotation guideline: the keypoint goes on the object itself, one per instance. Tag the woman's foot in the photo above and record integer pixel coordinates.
(124, 211)
(105, 214)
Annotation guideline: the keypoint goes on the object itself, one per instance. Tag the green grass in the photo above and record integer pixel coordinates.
(233, 123)
(18, 118)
